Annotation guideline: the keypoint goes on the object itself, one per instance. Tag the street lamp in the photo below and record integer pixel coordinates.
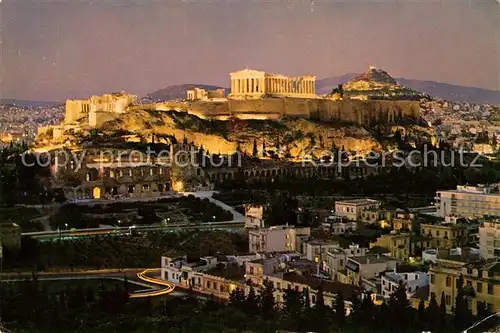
(66, 225)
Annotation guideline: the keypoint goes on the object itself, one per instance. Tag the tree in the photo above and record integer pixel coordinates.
(251, 304)
(463, 315)
(422, 316)
(340, 312)
(397, 136)
(267, 302)
(433, 315)
(305, 295)
(264, 152)
(441, 318)
(294, 303)
(482, 310)
(399, 308)
(255, 151)
(237, 298)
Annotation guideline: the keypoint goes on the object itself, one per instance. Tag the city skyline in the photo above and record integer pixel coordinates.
(52, 50)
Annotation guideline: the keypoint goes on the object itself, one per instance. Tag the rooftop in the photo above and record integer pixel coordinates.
(357, 202)
(332, 287)
(322, 242)
(371, 259)
(231, 272)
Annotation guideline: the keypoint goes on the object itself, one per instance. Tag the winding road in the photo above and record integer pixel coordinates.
(156, 287)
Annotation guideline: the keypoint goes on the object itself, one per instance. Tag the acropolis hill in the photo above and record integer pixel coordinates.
(369, 100)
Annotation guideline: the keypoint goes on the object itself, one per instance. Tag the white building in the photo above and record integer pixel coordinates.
(468, 201)
(351, 209)
(254, 216)
(431, 255)
(489, 239)
(178, 270)
(276, 239)
(338, 226)
(413, 281)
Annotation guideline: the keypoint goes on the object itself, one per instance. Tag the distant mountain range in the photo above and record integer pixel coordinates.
(177, 91)
(449, 92)
(24, 103)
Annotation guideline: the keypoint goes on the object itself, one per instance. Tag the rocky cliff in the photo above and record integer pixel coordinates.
(290, 135)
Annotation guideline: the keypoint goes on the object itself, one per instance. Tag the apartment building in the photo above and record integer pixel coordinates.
(257, 271)
(296, 275)
(371, 216)
(445, 235)
(336, 258)
(368, 266)
(206, 276)
(489, 239)
(178, 270)
(254, 216)
(337, 225)
(398, 244)
(431, 255)
(352, 209)
(276, 239)
(316, 250)
(403, 221)
(413, 281)
(468, 201)
(481, 279)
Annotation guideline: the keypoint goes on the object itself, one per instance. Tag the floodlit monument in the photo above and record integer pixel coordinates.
(115, 103)
(253, 84)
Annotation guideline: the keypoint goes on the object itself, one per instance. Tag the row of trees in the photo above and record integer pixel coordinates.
(87, 308)
(118, 251)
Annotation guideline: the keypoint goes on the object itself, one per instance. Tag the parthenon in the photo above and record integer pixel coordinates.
(252, 84)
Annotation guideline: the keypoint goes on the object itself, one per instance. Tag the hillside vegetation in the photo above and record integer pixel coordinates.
(291, 135)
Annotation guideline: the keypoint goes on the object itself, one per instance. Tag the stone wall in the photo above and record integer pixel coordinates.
(98, 118)
(356, 111)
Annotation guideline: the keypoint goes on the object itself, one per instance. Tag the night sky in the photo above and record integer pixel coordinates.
(58, 49)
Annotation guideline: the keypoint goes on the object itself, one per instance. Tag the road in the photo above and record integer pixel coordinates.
(237, 222)
(237, 217)
(63, 234)
(156, 287)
